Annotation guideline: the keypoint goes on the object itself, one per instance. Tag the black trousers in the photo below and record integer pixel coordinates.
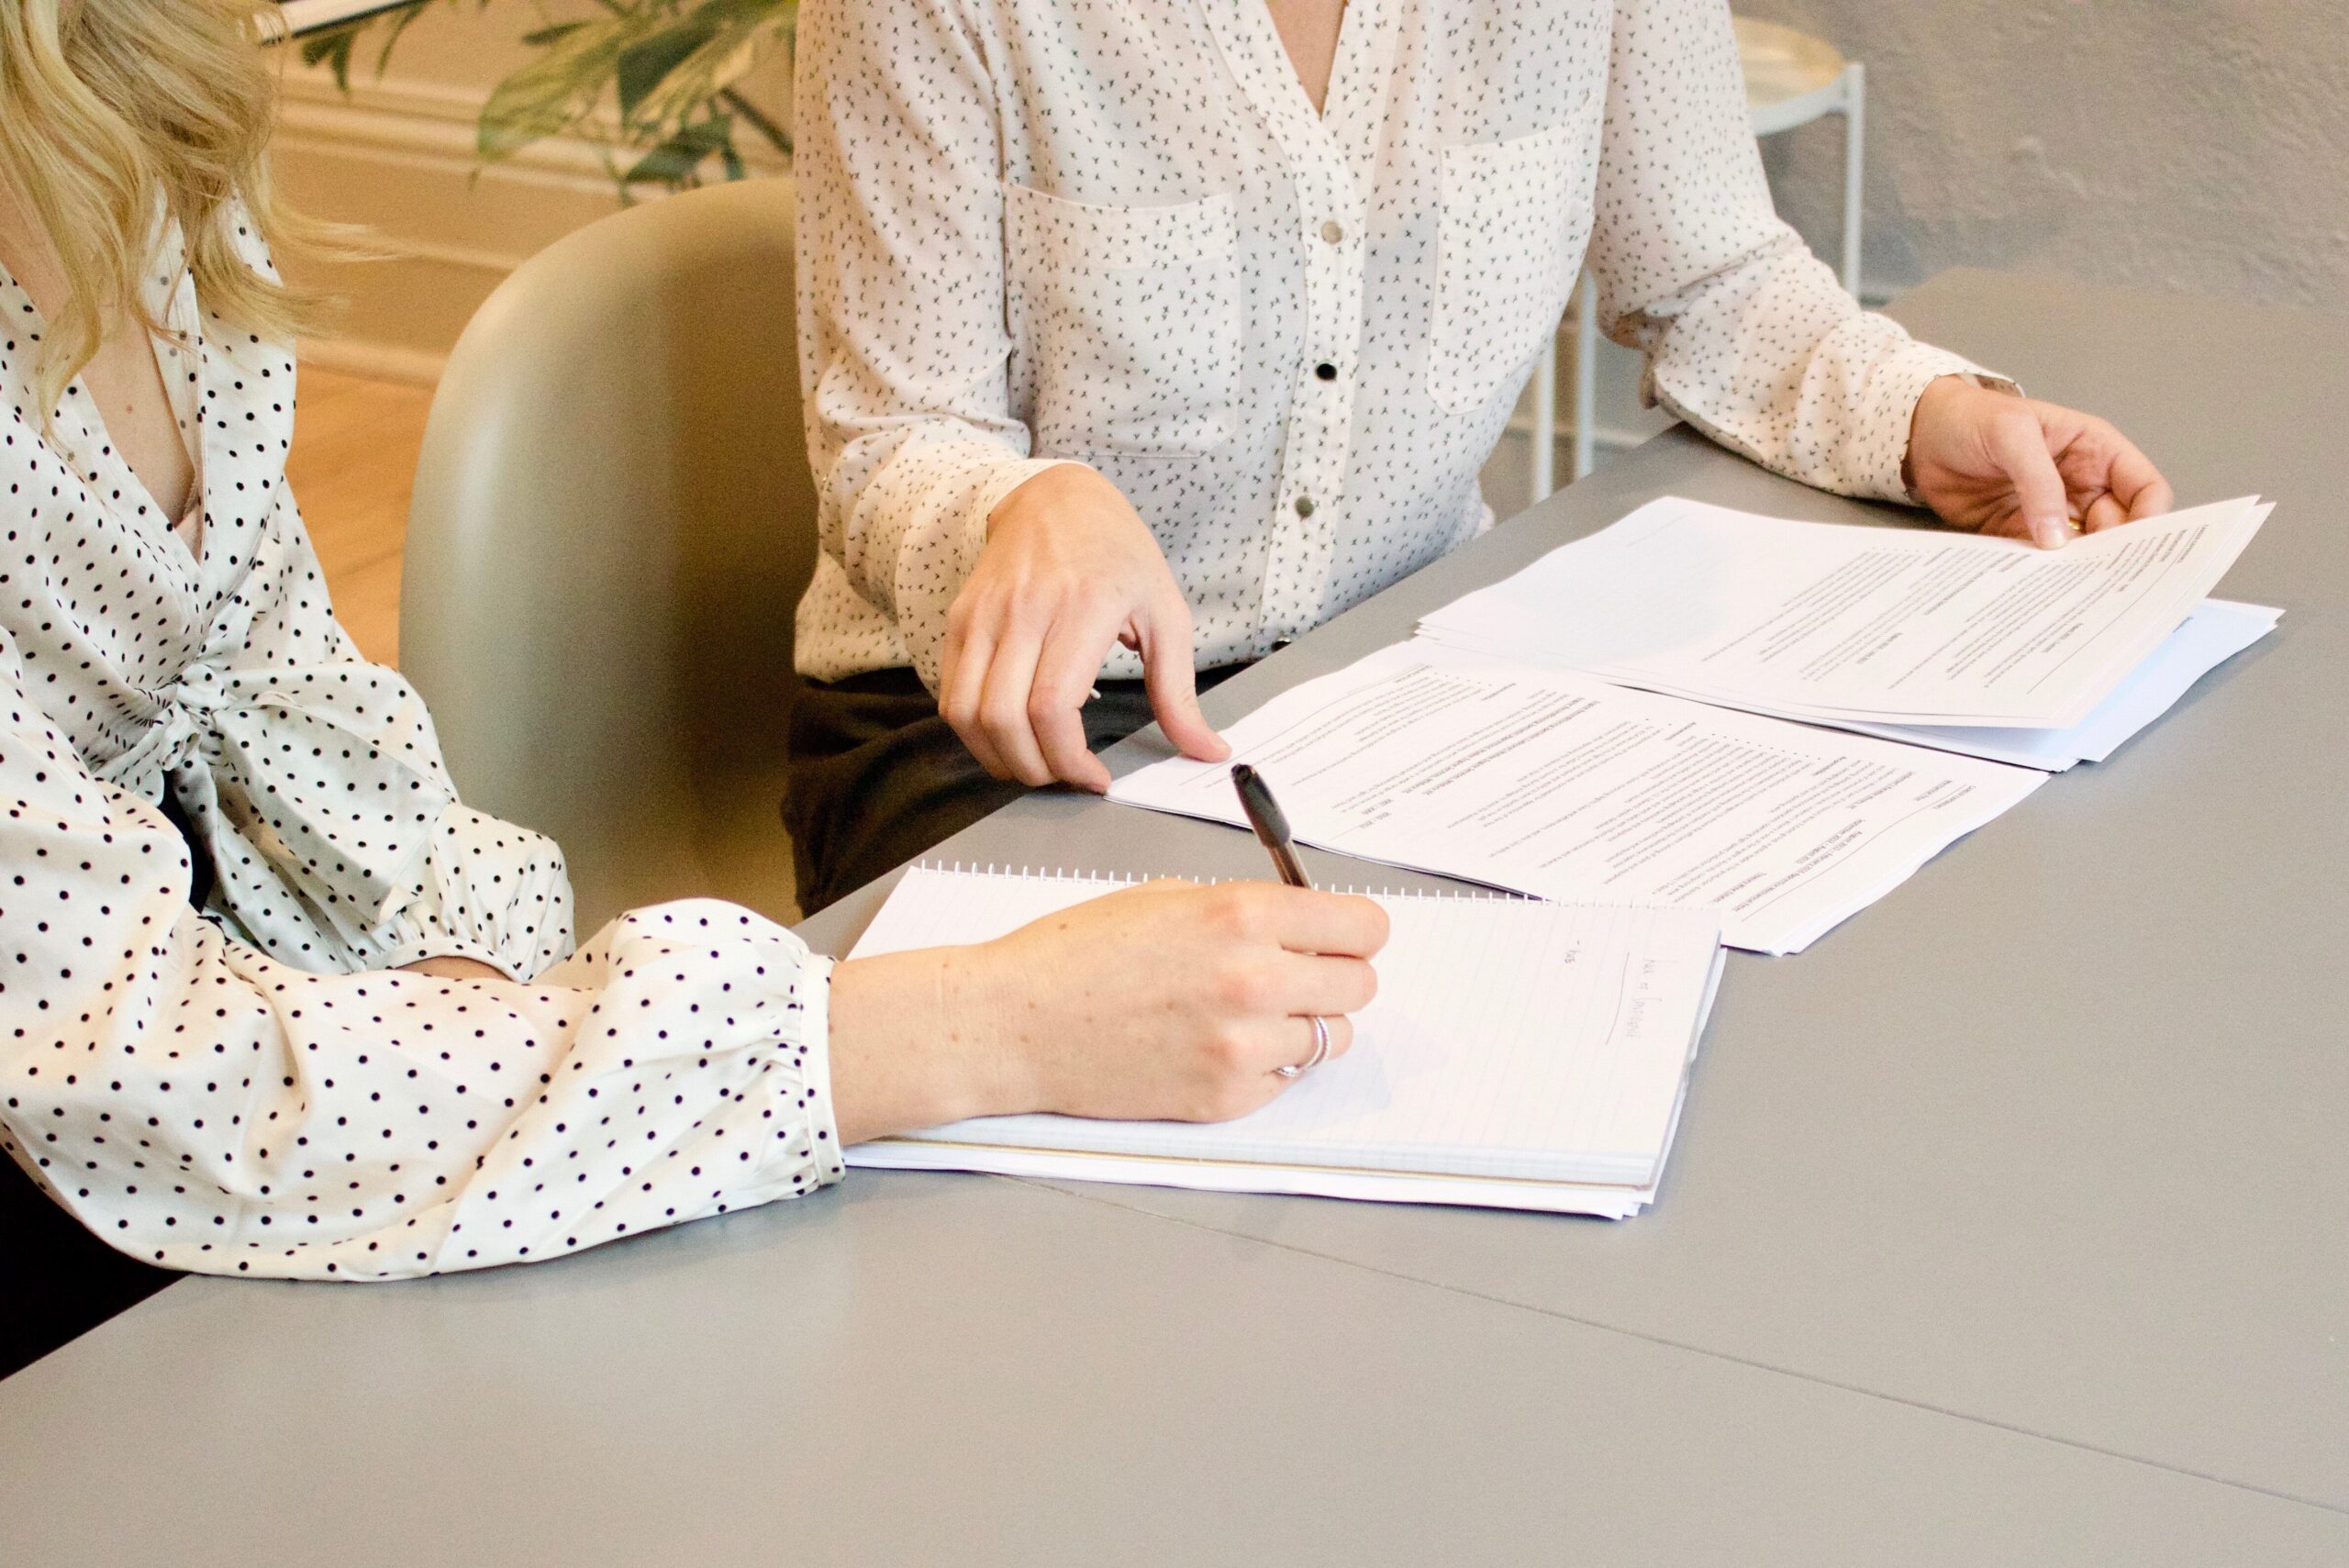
(876, 778)
(57, 1280)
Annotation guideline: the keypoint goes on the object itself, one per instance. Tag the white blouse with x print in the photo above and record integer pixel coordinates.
(246, 1089)
(1118, 233)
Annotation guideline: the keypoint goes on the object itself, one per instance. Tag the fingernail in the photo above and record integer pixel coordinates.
(2051, 535)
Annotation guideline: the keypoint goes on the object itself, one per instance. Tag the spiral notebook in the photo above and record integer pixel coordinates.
(1519, 1054)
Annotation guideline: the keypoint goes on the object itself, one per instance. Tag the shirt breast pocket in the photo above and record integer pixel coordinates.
(1515, 219)
(1131, 317)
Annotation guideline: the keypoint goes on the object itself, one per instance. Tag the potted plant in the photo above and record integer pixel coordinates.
(656, 82)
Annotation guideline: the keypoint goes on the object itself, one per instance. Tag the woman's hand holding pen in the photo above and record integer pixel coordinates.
(1168, 1001)
(1069, 572)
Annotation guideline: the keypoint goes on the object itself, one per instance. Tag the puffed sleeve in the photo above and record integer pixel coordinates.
(201, 1106)
(1748, 336)
(904, 353)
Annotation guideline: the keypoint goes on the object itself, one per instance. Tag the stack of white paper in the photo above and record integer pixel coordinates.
(1558, 783)
(1871, 628)
(1519, 1055)
(1611, 722)
(2214, 633)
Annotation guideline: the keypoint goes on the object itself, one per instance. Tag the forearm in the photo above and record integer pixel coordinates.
(908, 527)
(1747, 335)
(912, 437)
(915, 1044)
(1773, 359)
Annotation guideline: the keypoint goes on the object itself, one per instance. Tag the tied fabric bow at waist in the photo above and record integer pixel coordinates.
(318, 781)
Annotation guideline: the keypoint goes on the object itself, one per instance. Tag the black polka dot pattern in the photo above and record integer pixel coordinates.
(1118, 233)
(246, 1090)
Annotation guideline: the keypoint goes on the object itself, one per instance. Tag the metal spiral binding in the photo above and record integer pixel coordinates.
(1122, 879)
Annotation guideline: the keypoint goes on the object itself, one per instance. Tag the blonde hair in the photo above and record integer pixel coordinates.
(114, 111)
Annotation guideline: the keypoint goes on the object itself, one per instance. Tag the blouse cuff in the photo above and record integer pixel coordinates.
(1001, 480)
(405, 940)
(804, 1147)
(1894, 389)
(925, 596)
(815, 1033)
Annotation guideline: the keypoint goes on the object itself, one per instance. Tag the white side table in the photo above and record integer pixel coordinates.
(1791, 79)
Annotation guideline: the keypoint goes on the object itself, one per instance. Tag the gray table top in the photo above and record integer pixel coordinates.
(2010, 1223)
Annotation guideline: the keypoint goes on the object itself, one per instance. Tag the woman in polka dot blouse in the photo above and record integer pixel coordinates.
(273, 1001)
(1142, 335)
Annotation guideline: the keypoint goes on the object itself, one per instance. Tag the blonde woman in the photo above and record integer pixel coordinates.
(273, 1001)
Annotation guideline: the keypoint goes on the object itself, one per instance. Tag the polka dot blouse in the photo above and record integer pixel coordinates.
(1117, 233)
(244, 1089)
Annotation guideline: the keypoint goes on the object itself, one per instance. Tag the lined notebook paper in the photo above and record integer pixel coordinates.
(1519, 1054)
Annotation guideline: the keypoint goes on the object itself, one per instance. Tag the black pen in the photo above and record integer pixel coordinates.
(1272, 827)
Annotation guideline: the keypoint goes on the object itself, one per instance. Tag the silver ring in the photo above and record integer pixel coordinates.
(1321, 1049)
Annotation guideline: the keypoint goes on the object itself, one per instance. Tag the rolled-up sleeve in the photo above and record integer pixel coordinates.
(904, 354)
(201, 1106)
(1747, 335)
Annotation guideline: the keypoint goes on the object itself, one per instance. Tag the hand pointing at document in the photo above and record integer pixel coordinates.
(1993, 462)
(1070, 571)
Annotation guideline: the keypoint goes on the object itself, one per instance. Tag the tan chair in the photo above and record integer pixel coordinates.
(613, 520)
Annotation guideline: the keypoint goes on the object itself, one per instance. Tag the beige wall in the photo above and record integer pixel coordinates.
(2201, 144)
(397, 155)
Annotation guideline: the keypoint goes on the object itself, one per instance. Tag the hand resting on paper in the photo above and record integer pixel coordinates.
(1069, 571)
(1163, 1002)
(1993, 462)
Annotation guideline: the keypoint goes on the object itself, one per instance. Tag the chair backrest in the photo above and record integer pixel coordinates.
(613, 523)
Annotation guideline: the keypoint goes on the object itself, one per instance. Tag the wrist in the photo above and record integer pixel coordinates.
(917, 1040)
(996, 1023)
(1060, 484)
(1933, 403)
(453, 966)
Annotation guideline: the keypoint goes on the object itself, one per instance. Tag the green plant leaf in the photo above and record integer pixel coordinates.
(737, 41)
(398, 23)
(560, 88)
(674, 161)
(670, 66)
(334, 48)
(758, 119)
(642, 67)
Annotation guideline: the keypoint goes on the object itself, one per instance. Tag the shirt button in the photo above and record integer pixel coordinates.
(1326, 370)
(1305, 505)
(1333, 231)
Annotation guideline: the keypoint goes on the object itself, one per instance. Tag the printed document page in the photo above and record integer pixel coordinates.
(1558, 783)
(1511, 1043)
(1823, 620)
(2214, 633)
